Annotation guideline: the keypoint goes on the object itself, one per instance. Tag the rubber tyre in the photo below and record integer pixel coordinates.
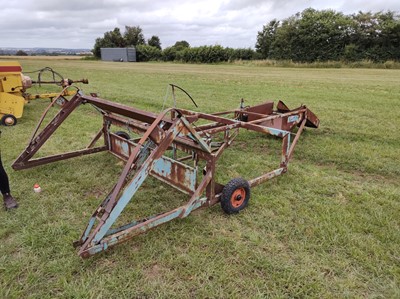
(235, 196)
(8, 120)
(123, 135)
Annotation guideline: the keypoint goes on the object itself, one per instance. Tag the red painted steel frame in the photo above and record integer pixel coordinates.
(144, 156)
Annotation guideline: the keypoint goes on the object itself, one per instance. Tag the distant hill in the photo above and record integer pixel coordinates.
(46, 51)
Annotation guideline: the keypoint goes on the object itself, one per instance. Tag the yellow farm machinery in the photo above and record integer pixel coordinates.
(14, 85)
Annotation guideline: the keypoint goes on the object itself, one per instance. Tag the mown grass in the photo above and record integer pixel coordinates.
(329, 228)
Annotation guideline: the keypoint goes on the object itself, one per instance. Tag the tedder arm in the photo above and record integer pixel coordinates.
(65, 92)
(198, 136)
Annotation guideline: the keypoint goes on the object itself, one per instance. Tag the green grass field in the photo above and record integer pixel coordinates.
(329, 228)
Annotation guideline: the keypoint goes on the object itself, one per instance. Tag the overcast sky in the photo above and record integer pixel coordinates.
(229, 23)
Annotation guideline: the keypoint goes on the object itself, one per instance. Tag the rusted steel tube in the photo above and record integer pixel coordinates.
(265, 177)
(277, 116)
(296, 138)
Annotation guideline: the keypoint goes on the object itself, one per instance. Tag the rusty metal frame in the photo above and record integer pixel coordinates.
(172, 130)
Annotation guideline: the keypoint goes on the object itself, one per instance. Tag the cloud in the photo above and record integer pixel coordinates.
(77, 23)
(374, 6)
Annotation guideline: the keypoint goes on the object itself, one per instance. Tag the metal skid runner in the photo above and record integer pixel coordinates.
(200, 136)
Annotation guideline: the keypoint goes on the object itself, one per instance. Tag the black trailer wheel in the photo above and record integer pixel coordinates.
(235, 196)
(123, 135)
(8, 120)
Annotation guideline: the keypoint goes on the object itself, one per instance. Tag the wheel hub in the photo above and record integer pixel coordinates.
(238, 197)
(9, 121)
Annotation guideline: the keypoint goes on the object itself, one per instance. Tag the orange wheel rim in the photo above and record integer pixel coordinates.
(238, 197)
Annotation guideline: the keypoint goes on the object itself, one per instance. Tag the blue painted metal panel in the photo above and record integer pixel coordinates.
(176, 174)
(277, 132)
(293, 118)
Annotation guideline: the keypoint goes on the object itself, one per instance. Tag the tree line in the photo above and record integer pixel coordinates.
(307, 36)
(151, 50)
(324, 35)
